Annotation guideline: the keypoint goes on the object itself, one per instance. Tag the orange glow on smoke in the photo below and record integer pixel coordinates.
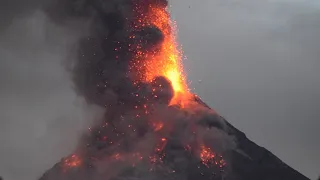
(157, 126)
(167, 61)
(72, 161)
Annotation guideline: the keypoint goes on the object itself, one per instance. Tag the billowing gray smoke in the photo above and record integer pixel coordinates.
(101, 71)
(140, 136)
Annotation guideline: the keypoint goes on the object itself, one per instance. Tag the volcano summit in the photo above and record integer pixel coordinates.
(153, 127)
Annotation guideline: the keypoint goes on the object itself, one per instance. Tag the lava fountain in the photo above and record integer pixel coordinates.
(167, 61)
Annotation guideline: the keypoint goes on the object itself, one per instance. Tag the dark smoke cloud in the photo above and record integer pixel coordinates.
(101, 69)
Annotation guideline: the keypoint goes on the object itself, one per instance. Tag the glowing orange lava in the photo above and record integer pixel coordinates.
(208, 157)
(72, 161)
(167, 61)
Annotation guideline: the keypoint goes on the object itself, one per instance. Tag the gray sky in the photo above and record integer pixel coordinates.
(257, 60)
(41, 119)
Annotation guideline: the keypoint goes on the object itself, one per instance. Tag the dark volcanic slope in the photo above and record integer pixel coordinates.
(252, 162)
(249, 162)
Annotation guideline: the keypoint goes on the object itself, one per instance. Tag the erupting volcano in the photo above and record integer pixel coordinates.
(153, 127)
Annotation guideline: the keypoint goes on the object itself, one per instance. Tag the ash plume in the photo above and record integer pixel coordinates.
(101, 71)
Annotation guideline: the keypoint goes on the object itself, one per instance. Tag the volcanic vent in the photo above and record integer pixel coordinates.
(154, 128)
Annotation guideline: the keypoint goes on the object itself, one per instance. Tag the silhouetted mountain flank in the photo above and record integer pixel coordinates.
(252, 162)
(248, 161)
